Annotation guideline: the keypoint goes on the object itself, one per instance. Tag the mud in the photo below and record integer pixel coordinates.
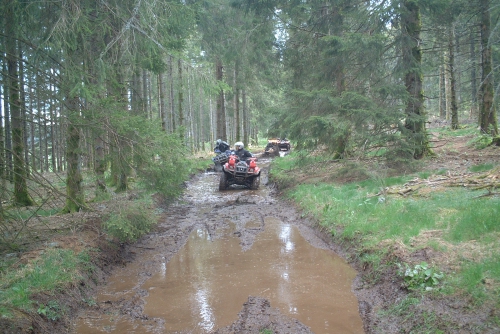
(237, 261)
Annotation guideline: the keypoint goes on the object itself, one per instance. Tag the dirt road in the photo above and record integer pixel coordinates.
(237, 261)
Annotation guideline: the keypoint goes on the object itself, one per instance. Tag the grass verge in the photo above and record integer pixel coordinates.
(50, 273)
(386, 224)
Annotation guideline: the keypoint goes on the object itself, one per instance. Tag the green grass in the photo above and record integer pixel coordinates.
(360, 212)
(266, 331)
(467, 130)
(53, 271)
(476, 275)
(481, 168)
(25, 214)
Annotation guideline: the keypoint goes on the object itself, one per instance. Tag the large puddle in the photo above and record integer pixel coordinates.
(204, 285)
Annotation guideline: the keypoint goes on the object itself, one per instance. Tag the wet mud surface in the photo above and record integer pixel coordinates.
(237, 261)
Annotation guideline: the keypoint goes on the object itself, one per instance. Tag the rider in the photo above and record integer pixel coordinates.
(242, 154)
(221, 145)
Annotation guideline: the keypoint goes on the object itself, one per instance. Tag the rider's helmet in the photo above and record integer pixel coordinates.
(238, 146)
(218, 141)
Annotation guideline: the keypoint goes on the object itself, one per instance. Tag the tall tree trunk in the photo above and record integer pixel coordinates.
(447, 84)
(8, 127)
(474, 113)
(412, 60)
(145, 93)
(342, 138)
(246, 120)
(72, 76)
(136, 99)
(181, 101)
(45, 141)
(21, 195)
(22, 95)
(40, 136)
(458, 74)
(190, 114)
(221, 111)
(60, 140)
(74, 190)
(2, 158)
(487, 111)
(52, 137)
(442, 91)
(32, 125)
(162, 105)
(237, 121)
(171, 103)
(213, 123)
(201, 128)
(453, 83)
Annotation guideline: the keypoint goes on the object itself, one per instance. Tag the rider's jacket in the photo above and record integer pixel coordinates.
(243, 154)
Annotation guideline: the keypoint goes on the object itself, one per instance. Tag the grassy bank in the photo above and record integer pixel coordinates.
(50, 262)
(388, 222)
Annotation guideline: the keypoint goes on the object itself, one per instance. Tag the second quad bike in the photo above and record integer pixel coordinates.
(245, 173)
(276, 145)
(220, 159)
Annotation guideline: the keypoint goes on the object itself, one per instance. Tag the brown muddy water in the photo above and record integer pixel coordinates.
(211, 252)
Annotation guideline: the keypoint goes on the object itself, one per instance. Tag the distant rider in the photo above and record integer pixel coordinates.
(221, 145)
(240, 151)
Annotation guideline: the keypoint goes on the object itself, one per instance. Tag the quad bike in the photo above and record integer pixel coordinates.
(284, 145)
(276, 145)
(240, 172)
(220, 159)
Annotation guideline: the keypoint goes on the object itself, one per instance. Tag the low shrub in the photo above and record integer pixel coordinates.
(131, 222)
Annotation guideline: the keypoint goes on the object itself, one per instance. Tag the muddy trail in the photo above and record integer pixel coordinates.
(236, 261)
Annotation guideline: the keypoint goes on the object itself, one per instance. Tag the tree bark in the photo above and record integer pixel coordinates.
(453, 83)
(181, 101)
(246, 121)
(171, 93)
(162, 105)
(22, 95)
(442, 92)
(40, 141)
(74, 190)
(487, 111)
(221, 111)
(447, 84)
(52, 137)
(8, 127)
(2, 159)
(473, 77)
(237, 120)
(412, 60)
(21, 195)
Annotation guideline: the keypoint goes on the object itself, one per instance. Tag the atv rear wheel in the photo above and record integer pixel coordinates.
(255, 183)
(223, 181)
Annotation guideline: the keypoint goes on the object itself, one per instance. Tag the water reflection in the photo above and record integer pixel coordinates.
(205, 311)
(285, 238)
(207, 282)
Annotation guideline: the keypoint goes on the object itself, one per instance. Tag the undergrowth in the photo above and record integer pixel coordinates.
(131, 221)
